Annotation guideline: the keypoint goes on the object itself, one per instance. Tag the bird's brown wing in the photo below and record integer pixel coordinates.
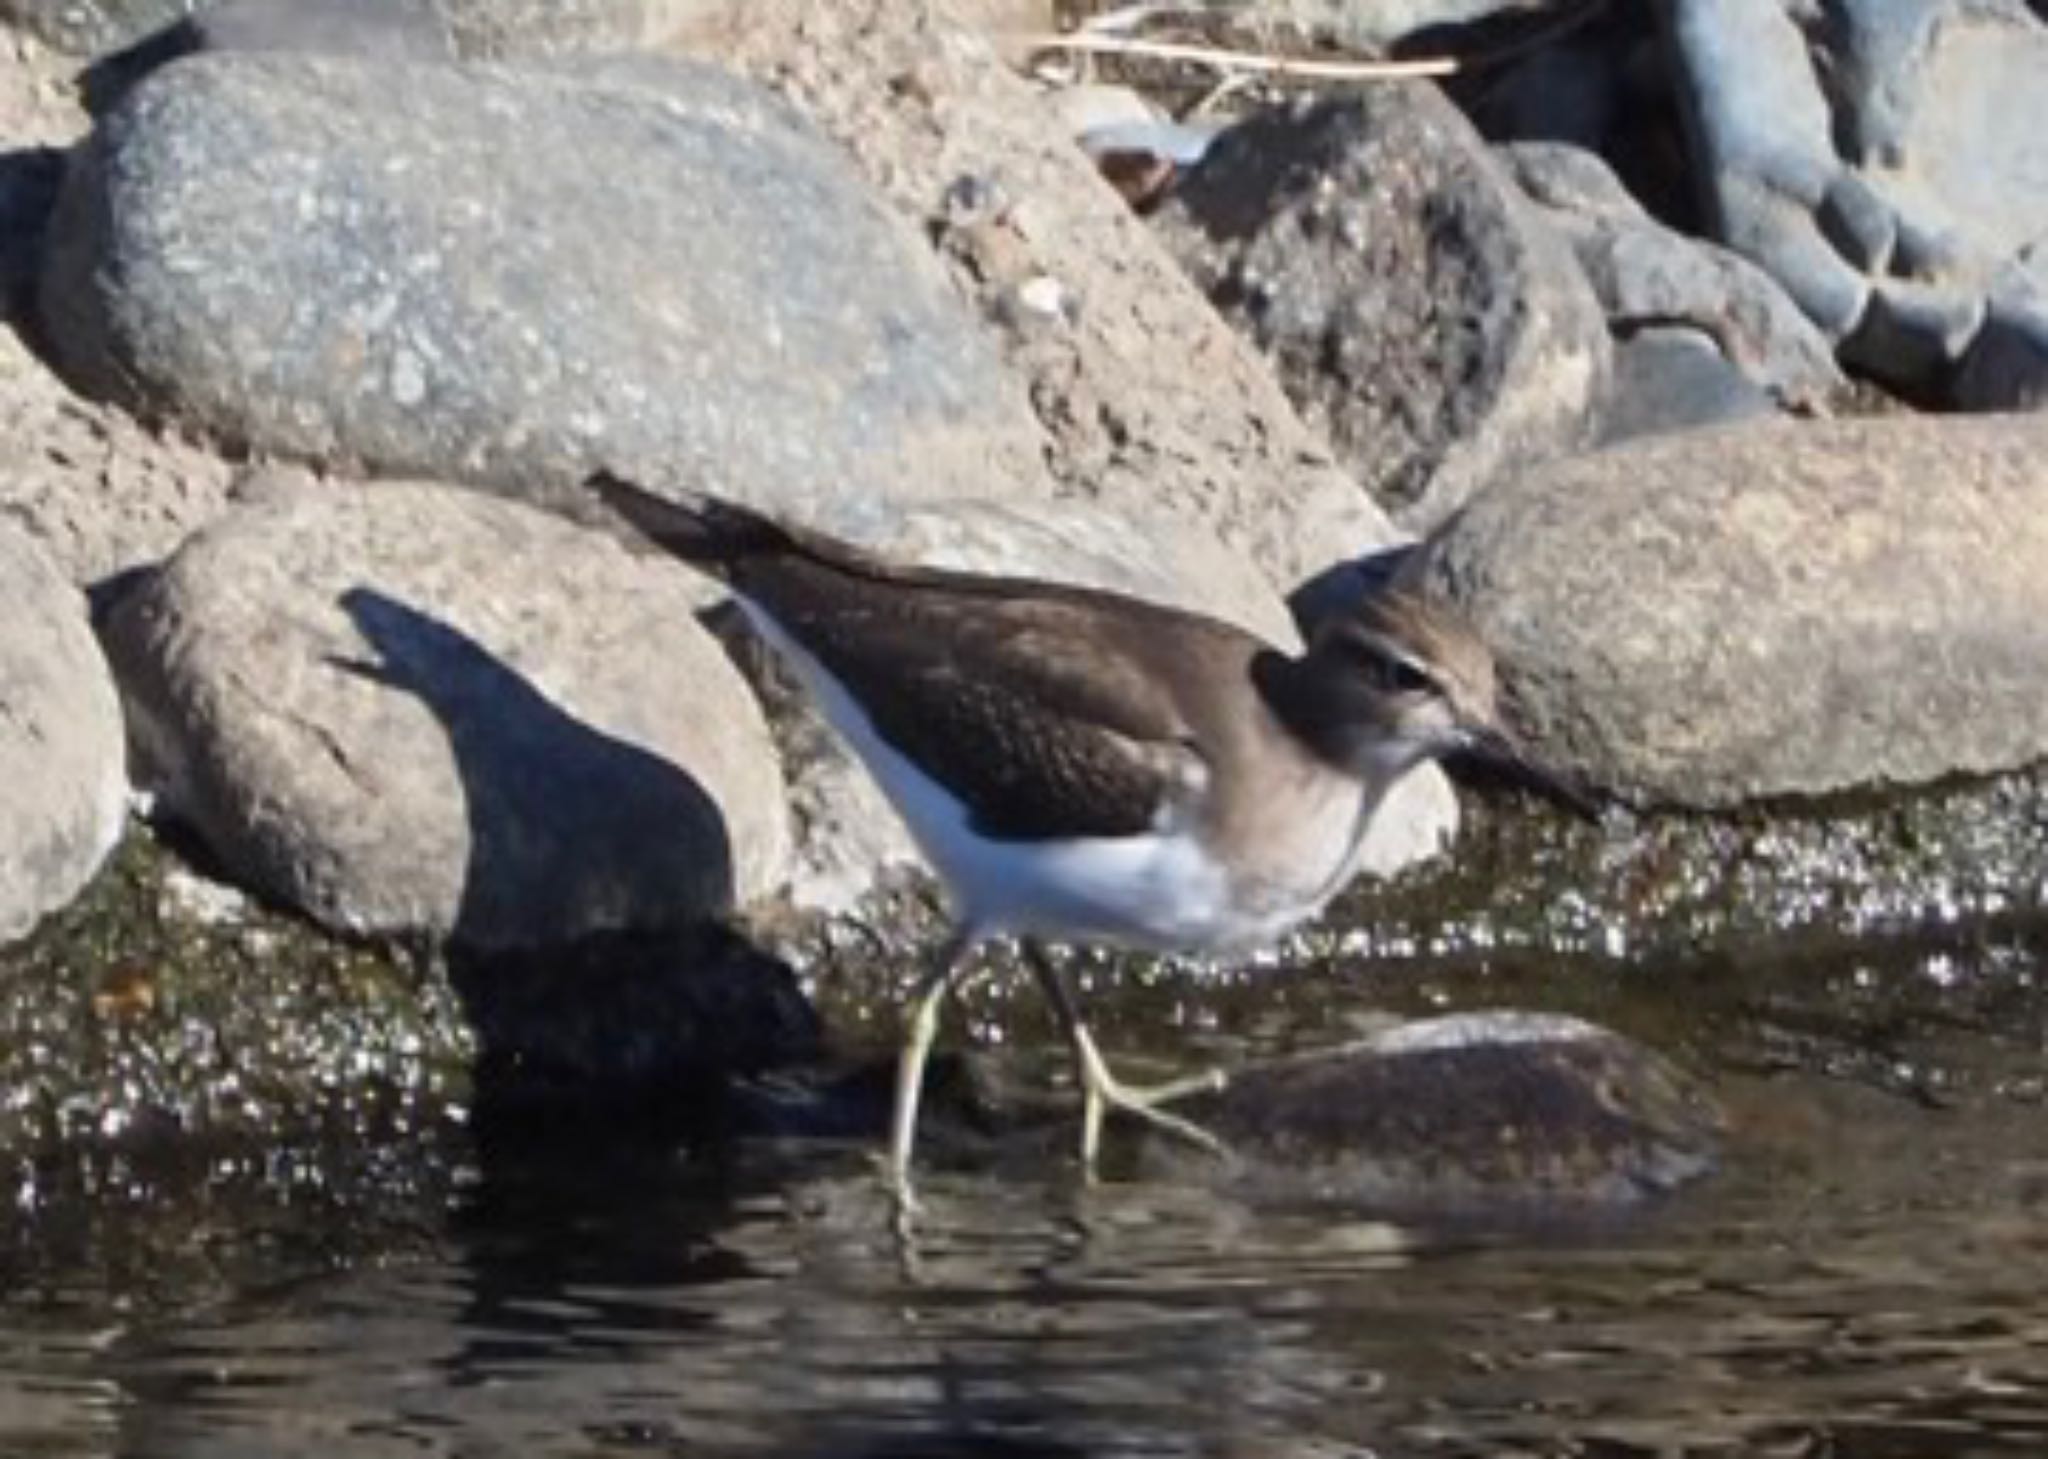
(1036, 715)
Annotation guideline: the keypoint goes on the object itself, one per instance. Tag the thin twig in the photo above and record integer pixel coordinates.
(1227, 60)
(1306, 68)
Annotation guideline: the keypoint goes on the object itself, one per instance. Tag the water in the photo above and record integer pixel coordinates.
(1867, 1277)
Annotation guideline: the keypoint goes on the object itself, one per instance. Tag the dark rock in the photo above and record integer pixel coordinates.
(63, 786)
(1673, 380)
(415, 709)
(344, 261)
(1647, 276)
(2006, 365)
(1484, 1112)
(1723, 615)
(1396, 283)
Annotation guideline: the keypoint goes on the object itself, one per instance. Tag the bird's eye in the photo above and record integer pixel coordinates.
(1388, 671)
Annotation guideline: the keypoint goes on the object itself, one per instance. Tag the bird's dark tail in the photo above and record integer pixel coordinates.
(695, 526)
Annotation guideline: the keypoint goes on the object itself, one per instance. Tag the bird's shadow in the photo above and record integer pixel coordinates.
(581, 949)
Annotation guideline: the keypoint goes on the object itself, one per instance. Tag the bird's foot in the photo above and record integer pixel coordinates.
(1103, 1091)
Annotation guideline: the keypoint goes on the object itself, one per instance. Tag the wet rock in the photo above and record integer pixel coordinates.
(61, 760)
(410, 708)
(1495, 1111)
(1899, 200)
(1148, 402)
(1646, 275)
(849, 841)
(1770, 611)
(1400, 289)
(236, 249)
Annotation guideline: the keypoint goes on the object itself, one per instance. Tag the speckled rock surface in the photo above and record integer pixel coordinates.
(344, 261)
(1769, 611)
(63, 786)
(412, 708)
(1146, 400)
(1400, 290)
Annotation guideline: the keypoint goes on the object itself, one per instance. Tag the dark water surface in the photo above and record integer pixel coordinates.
(1867, 1276)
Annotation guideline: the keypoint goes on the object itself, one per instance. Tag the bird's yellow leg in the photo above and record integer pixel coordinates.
(919, 1031)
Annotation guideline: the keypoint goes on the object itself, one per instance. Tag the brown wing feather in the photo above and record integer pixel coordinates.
(1037, 703)
(1023, 715)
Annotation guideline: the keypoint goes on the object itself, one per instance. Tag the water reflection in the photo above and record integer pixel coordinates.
(1867, 1280)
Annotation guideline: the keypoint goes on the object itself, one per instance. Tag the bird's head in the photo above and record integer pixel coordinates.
(1400, 678)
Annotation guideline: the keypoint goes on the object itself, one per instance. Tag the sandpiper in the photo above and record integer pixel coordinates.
(1079, 766)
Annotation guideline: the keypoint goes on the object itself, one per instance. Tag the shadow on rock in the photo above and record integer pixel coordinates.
(641, 1019)
(29, 178)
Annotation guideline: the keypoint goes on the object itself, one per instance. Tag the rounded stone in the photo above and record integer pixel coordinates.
(61, 753)
(1500, 1111)
(510, 276)
(1779, 610)
(411, 708)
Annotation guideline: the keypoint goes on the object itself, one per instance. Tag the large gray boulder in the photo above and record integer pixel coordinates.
(1396, 281)
(410, 708)
(63, 788)
(1779, 610)
(511, 276)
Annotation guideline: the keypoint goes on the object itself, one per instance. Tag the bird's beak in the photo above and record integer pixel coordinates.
(1506, 757)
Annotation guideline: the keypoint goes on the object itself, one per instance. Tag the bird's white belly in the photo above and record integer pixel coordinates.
(1158, 891)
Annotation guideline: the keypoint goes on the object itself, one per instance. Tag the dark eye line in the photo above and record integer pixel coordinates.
(1388, 669)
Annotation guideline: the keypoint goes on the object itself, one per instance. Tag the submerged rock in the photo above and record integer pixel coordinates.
(1399, 286)
(63, 781)
(409, 708)
(1747, 612)
(1480, 1111)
